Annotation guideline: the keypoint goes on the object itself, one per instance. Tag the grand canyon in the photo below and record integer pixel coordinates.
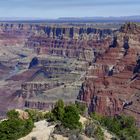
(69, 70)
(95, 64)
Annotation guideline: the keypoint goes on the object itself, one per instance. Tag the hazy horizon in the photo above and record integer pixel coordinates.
(71, 17)
(52, 9)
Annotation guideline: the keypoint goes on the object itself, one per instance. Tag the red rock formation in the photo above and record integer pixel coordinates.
(112, 81)
(111, 86)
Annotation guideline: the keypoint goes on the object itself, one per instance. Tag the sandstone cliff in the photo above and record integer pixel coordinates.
(112, 84)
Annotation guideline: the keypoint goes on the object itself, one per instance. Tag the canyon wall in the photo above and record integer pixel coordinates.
(112, 84)
(72, 42)
(98, 67)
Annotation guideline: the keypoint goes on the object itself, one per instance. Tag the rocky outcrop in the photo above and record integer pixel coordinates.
(137, 67)
(112, 82)
(41, 131)
(22, 114)
(100, 99)
(33, 63)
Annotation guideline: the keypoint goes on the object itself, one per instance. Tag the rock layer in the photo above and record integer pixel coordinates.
(112, 83)
(49, 62)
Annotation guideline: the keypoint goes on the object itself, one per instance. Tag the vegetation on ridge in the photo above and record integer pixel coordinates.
(14, 128)
(68, 124)
(68, 121)
(68, 115)
(123, 126)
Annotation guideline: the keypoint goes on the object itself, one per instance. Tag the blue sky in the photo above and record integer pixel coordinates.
(68, 8)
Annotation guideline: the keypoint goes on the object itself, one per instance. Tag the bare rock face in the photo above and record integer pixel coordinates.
(100, 100)
(22, 114)
(51, 62)
(112, 83)
(34, 62)
(71, 42)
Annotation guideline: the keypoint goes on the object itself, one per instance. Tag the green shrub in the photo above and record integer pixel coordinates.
(71, 117)
(123, 126)
(99, 134)
(35, 115)
(50, 117)
(58, 110)
(12, 114)
(68, 115)
(15, 128)
(93, 130)
(96, 116)
(81, 108)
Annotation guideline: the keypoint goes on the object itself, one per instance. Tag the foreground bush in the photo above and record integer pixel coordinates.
(15, 128)
(35, 115)
(59, 110)
(94, 130)
(68, 116)
(81, 108)
(71, 117)
(123, 126)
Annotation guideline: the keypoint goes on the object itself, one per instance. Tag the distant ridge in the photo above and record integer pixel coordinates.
(135, 18)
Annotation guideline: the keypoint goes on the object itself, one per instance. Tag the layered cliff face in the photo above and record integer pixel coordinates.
(50, 62)
(77, 48)
(72, 42)
(112, 83)
(13, 34)
(52, 79)
(14, 58)
(62, 40)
